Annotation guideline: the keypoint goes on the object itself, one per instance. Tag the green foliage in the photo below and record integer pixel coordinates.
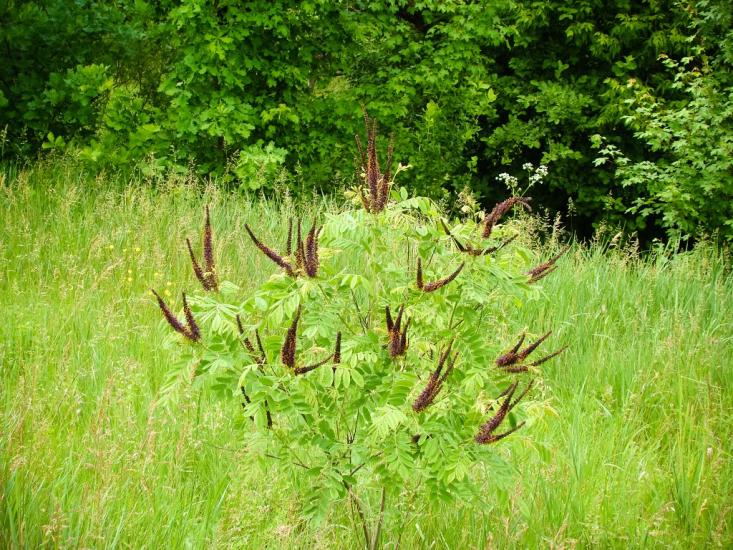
(690, 185)
(362, 423)
(257, 166)
(469, 90)
(639, 445)
(61, 60)
(555, 81)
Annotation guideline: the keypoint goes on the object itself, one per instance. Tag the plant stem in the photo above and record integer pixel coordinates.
(453, 310)
(357, 504)
(358, 313)
(380, 521)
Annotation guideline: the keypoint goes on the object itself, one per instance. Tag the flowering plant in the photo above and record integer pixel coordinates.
(372, 359)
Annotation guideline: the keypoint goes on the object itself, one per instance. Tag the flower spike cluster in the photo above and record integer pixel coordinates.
(336, 355)
(398, 342)
(337, 350)
(486, 433)
(289, 241)
(543, 270)
(270, 253)
(207, 274)
(493, 217)
(435, 285)
(470, 249)
(512, 361)
(310, 255)
(288, 350)
(306, 252)
(379, 183)
(190, 330)
(436, 380)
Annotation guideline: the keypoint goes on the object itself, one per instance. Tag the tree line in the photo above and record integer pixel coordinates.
(627, 103)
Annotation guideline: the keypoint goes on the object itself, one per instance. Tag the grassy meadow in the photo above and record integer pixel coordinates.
(638, 455)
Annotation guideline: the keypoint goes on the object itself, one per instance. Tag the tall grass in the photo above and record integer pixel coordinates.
(636, 454)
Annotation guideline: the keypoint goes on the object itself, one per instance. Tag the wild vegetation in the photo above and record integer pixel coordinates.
(270, 91)
(363, 360)
(219, 332)
(630, 431)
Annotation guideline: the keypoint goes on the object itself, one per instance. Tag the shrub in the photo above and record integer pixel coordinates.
(688, 188)
(373, 360)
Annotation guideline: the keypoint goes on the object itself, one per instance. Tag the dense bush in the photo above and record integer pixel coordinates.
(62, 60)
(685, 177)
(689, 187)
(469, 90)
